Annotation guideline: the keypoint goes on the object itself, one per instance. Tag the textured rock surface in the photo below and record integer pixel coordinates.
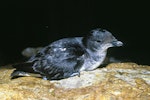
(117, 81)
(30, 51)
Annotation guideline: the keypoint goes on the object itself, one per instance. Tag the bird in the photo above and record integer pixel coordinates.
(67, 57)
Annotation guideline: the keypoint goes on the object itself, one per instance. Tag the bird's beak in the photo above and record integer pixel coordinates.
(117, 43)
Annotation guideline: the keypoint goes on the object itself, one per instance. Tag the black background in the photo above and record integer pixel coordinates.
(32, 24)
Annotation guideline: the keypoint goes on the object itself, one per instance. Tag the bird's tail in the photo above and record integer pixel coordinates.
(24, 69)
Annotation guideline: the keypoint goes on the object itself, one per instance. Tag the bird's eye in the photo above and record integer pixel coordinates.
(98, 41)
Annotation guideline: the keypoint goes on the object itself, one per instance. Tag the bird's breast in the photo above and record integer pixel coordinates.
(92, 63)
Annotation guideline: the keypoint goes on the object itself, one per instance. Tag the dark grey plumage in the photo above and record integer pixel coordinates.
(69, 56)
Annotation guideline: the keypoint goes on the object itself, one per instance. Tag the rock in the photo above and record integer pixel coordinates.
(30, 51)
(117, 81)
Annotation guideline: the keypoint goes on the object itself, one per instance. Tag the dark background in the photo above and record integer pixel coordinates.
(32, 24)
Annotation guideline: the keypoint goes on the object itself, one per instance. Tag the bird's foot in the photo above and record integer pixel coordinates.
(45, 78)
(75, 74)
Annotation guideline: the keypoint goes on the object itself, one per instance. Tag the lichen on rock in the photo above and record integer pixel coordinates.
(117, 81)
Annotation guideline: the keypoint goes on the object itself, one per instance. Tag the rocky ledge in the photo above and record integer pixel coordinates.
(117, 81)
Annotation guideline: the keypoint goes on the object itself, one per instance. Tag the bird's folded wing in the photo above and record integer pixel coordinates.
(58, 61)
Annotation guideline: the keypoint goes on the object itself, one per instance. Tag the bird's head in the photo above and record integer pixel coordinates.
(101, 39)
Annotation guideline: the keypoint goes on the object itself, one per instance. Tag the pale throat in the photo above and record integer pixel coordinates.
(95, 60)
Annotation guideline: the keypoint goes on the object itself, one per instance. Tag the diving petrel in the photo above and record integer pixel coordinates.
(69, 56)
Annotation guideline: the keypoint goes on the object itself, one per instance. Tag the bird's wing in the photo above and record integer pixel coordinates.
(57, 61)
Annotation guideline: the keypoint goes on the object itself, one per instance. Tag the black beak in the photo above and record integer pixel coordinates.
(117, 43)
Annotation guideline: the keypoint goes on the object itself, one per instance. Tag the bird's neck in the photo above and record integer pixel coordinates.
(97, 55)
